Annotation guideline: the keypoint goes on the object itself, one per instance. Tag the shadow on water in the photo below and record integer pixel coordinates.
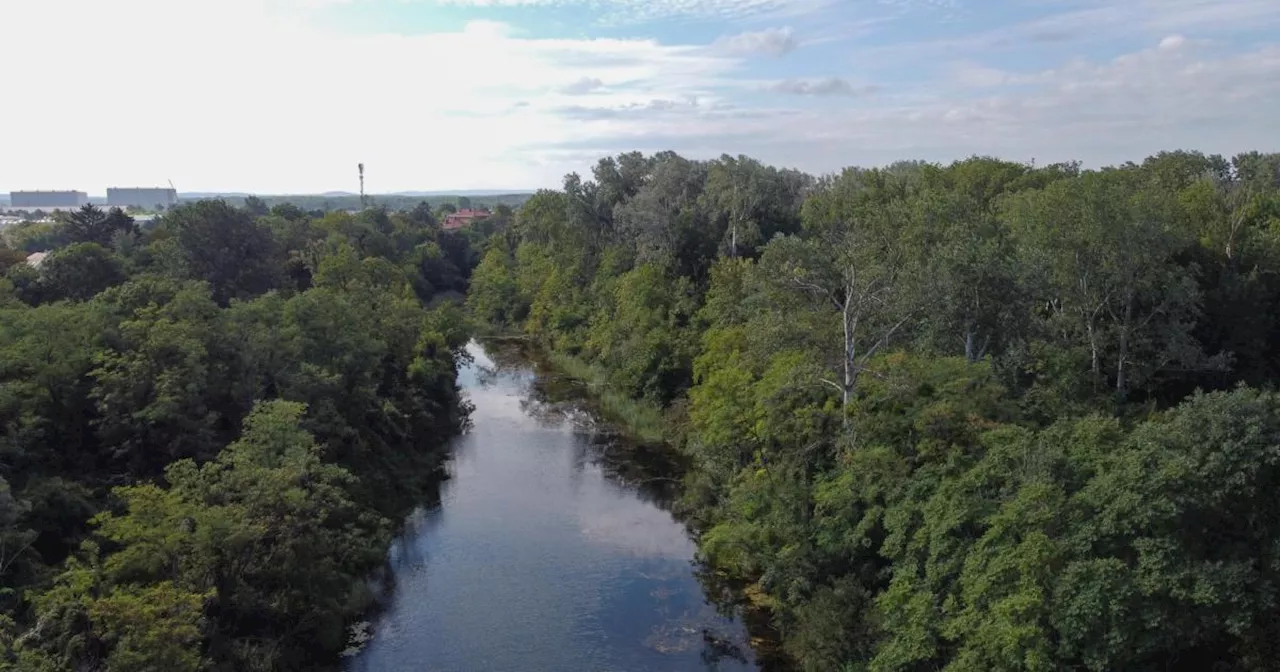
(551, 546)
(554, 399)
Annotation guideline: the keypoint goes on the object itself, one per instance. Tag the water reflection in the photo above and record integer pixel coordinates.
(551, 547)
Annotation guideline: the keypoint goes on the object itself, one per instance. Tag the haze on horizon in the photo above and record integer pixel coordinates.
(287, 96)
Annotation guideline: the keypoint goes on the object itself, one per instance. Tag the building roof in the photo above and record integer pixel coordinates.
(36, 258)
(456, 220)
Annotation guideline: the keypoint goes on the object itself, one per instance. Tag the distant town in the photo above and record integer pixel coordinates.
(145, 198)
(467, 206)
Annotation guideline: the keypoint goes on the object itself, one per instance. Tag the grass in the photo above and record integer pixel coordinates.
(641, 420)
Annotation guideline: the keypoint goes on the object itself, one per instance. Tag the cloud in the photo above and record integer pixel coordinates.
(640, 11)
(1173, 42)
(432, 119)
(1045, 36)
(829, 86)
(1101, 112)
(513, 111)
(582, 86)
(1108, 22)
(974, 75)
(651, 108)
(771, 41)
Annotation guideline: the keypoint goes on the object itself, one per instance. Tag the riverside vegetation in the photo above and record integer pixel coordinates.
(981, 416)
(209, 427)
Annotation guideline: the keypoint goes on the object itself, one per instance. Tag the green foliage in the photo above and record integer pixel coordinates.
(90, 224)
(495, 295)
(137, 532)
(76, 272)
(222, 246)
(939, 415)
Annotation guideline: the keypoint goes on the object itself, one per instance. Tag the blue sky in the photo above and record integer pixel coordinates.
(288, 95)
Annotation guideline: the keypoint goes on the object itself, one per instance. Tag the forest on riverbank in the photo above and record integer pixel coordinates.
(980, 416)
(212, 427)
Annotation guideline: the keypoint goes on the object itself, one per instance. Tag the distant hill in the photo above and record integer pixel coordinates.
(463, 192)
(197, 195)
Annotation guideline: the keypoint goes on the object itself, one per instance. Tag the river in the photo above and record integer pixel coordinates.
(551, 548)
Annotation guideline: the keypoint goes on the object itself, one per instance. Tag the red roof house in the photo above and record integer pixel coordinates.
(462, 218)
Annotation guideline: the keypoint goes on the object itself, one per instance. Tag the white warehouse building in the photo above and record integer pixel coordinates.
(148, 198)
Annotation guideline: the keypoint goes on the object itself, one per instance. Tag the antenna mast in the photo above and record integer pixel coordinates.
(361, 167)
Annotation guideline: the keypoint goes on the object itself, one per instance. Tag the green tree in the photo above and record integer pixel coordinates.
(157, 390)
(223, 246)
(495, 295)
(77, 272)
(90, 224)
(1107, 247)
(256, 207)
(853, 262)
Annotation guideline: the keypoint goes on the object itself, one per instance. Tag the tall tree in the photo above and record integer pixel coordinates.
(1106, 245)
(223, 246)
(90, 224)
(852, 261)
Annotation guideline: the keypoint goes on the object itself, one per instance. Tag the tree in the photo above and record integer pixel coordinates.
(1107, 247)
(223, 246)
(154, 389)
(979, 306)
(90, 224)
(752, 203)
(10, 258)
(662, 217)
(256, 207)
(494, 295)
(422, 216)
(852, 262)
(15, 537)
(77, 272)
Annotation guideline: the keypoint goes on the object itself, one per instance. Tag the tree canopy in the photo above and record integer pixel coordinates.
(208, 427)
(976, 416)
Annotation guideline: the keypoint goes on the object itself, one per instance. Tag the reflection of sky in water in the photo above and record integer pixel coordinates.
(614, 520)
(538, 561)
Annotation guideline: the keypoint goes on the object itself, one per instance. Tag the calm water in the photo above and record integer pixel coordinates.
(549, 550)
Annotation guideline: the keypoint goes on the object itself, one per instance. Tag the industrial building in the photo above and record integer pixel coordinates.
(47, 199)
(141, 197)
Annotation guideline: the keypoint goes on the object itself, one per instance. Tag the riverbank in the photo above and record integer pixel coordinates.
(642, 421)
(552, 546)
(645, 424)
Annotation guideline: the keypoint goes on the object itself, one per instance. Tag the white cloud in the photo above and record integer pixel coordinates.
(1099, 112)
(969, 74)
(1102, 22)
(627, 11)
(1173, 42)
(239, 94)
(771, 42)
(243, 95)
(828, 86)
(584, 85)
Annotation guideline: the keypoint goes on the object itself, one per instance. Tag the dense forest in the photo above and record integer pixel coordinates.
(982, 416)
(209, 427)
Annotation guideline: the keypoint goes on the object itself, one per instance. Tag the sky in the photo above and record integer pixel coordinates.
(287, 96)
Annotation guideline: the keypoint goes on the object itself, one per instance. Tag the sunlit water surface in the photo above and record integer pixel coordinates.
(547, 550)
